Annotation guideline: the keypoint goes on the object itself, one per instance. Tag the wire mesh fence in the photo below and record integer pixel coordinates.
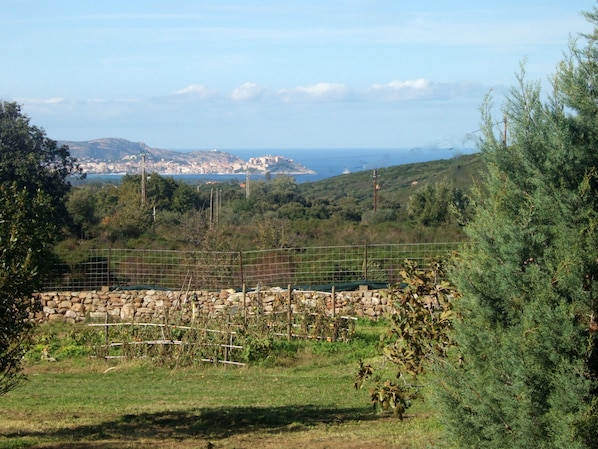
(308, 267)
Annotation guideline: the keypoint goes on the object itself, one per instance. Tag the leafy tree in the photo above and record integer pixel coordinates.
(348, 208)
(527, 319)
(33, 189)
(272, 232)
(433, 204)
(124, 216)
(21, 245)
(185, 198)
(32, 161)
(418, 332)
(194, 227)
(82, 207)
(283, 190)
(160, 191)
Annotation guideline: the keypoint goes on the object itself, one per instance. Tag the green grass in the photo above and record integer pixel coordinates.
(308, 402)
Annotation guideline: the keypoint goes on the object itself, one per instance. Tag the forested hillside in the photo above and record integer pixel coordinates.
(411, 203)
(399, 182)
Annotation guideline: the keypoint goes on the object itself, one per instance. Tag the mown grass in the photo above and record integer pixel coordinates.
(305, 399)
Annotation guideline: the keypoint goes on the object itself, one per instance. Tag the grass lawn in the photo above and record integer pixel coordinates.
(306, 400)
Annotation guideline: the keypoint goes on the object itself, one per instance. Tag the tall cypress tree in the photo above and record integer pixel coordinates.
(526, 374)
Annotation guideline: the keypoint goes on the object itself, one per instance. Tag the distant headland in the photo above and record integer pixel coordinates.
(120, 156)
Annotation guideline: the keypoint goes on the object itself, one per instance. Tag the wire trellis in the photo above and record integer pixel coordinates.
(306, 267)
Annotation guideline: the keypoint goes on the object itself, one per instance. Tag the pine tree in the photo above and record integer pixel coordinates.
(526, 372)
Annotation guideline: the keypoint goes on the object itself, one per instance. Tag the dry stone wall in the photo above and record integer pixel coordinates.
(152, 305)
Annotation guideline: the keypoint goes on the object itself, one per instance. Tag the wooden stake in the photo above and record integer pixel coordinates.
(333, 301)
(290, 314)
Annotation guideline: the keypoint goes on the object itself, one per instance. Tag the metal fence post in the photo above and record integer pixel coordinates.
(108, 266)
(241, 269)
(365, 261)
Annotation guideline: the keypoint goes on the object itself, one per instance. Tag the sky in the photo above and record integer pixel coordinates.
(273, 74)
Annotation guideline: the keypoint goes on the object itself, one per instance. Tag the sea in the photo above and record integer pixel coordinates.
(325, 162)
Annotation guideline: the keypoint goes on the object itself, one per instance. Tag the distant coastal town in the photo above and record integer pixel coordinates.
(135, 164)
(118, 156)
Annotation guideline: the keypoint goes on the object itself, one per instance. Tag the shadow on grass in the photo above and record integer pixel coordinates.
(204, 423)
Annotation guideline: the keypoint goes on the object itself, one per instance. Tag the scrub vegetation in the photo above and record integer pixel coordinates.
(504, 353)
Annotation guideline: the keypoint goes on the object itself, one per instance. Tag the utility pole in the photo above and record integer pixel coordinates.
(143, 193)
(211, 207)
(247, 184)
(219, 203)
(375, 189)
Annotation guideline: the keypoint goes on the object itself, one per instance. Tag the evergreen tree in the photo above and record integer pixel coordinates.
(432, 204)
(526, 374)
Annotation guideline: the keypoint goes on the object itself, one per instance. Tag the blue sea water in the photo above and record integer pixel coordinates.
(327, 162)
(333, 162)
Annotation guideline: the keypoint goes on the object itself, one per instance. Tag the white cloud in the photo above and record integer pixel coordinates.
(316, 92)
(400, 90)
(196, 90)
(423, 89)
(41, 101)
(417, 84)
(246, 92)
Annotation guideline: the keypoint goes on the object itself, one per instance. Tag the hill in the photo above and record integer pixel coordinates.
(398, 182)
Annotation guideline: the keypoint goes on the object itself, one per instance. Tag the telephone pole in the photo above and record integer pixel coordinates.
(375, 189)
(247, 184)
(211, 207)
(143, 194)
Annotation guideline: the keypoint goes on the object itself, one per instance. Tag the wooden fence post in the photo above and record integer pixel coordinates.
(290, 314)
(227, 337)
(106, 338)
(244, 306)
(333, 301)
(365, 262)
(257, 300)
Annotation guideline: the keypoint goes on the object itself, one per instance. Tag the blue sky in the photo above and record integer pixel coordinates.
(273, 74)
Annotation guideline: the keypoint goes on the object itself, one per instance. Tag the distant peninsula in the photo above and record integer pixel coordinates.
(120, 156)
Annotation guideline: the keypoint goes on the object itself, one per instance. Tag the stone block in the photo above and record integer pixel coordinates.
(97, 316)
(49, 310)
(144, 311)
(71, 314)
(79, 308)
(127, 312)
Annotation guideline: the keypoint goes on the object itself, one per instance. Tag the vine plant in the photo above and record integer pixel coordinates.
(418, 333)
